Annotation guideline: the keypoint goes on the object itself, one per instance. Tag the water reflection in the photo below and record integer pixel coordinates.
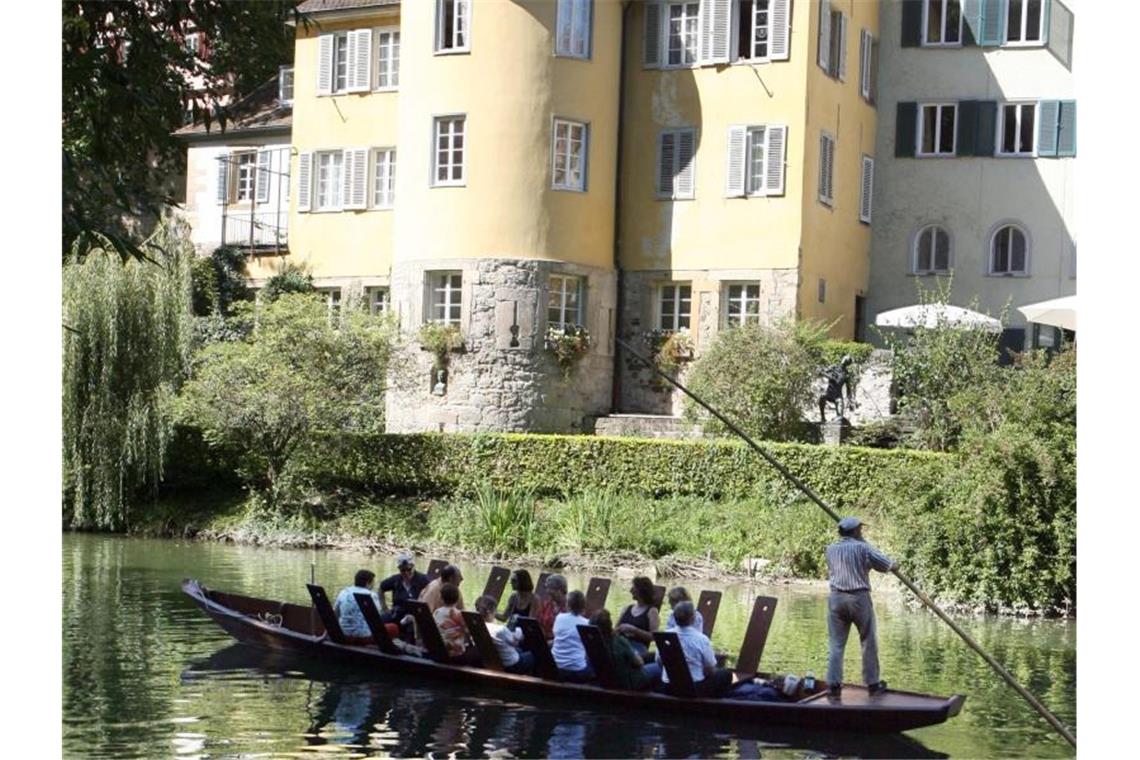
(369, 718)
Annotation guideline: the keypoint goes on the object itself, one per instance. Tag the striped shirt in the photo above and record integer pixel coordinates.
(849, 562)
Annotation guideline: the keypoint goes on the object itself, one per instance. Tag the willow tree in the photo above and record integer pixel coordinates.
(125, 351)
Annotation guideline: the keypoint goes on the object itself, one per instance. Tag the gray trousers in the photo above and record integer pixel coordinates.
(843, 609)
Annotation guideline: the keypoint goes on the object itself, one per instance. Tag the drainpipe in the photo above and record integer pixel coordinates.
(615, 401)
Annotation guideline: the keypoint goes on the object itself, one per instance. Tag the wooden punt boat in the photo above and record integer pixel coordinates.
(283, 626)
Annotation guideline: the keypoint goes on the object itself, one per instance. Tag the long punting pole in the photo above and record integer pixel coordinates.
(1001, 671)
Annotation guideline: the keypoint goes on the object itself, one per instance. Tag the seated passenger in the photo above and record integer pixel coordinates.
(348, 611)
(404, 585)
(639, 620)
(522, 599)
(451, 627)
(568, 650)
(632, 672)
(505, 639)
(431, 593)
(709, 680)
(553, 605)
(676, 595)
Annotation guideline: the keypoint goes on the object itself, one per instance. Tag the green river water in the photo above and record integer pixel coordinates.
(146, 674)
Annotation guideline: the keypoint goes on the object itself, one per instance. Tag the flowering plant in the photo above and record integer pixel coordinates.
(568, 345)
(670, 349)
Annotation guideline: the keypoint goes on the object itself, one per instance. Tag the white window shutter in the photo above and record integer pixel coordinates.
(686, 148)
(843, 47)
(652, 54)
(780, 21)
(223, 176)
(355, 178)
(666, 156)
(716, 24)
(824, 56)
(359, 60)
(734, 170)
(864, 52)
(867, 188)
(774, 157)
(583, 23)
(264, 159)
(304, 181)
(325, 64)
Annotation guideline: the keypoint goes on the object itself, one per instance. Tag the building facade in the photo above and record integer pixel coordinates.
(976, 168)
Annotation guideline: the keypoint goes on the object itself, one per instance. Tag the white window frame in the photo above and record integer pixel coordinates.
(379, 299)
(749, 161)
(567, 155)
(392, 33)
(999, 147)
(577, 13)
(867, 44)
(734, 34)
(827, 168)
(991, 252)
(915, 251)
(671, 321)
(284, 72)
(559, 288)
(944, 4)
(461, 21)
(336, 63)
(335, 184)
(918, 152)
(744, 301)
(1022, 42)
(244, 170)
(383, 178)
(450, 181)
(667, 36)
(440, 284)
(333, 299)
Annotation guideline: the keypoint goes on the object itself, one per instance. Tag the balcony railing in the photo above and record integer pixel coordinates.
(256, 229)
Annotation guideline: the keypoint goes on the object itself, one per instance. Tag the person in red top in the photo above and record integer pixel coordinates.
(552, 605)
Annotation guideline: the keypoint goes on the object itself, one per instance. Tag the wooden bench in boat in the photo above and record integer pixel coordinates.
(673, 661)
(428, 631)
(596, 594)
(708, 605)
(540, 586)
(755, 636)
(434, 567)
(477, 628)
(599, 655)
(658, 596)
(328, 616)
(496, 582)
(535, 641)
(375, 624)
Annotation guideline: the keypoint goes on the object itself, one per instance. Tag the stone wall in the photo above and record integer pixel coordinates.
(503, 379)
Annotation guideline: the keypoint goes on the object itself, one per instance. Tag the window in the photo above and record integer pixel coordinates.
(340, 62)
(682, 38)
(942, 23)
(756, 160)
(384, 178)
(675, 149)
(449, 134)
(570, 138)
(754, 29)
(866, 189)
(387, 59)
(332, 299)
(330, 180)
(1024, 22)
(868, 65)
(564, 301)
(821, 290)
(1009, 251)
(379, 300)
(344, 62)
(1017, 129)
(743, 304)
(246, 162)
(674, 307)
(826, 168)
(832, 42)
(446, 297)
(191, 42)
(937, 128)
(452, 26)
(285, 85)
(575, 18)
(931, 251)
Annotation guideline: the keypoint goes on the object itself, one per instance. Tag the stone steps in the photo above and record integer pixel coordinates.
(645, 426)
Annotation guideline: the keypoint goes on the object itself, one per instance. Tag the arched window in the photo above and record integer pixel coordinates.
(1009, 251)
(932, 251)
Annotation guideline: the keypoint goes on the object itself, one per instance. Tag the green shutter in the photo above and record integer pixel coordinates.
(906, 121)
(985, 131)
(1047, 113)
(967, 141)
(1067, 129)
(911, 23)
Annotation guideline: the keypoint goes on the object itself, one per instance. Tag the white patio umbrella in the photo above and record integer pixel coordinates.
(935, 314)
(1058, 312)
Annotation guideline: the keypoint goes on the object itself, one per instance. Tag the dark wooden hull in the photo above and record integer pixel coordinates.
(891, 712)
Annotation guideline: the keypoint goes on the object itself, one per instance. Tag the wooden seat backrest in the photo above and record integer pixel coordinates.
(673, 660)
(598, 653)
(535, 640)
(658, 596)
(477, 627)
(540, 585)
(428, 631)
(375, 624)
(596, 594)
(325, 610)
(756, 634)
(434, 567)
(496, 582)
(708, 605)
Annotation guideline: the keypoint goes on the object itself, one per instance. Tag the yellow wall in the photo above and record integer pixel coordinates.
(510, 86)
(710, 231)
(836, 245)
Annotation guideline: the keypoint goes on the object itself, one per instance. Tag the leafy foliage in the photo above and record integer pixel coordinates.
(440, 340)
(219, 281)
(290, 278)
(125, 350)
(567, 346)
(297, 372)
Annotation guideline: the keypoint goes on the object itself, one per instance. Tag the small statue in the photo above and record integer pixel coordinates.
(838, 381)
(440, 387)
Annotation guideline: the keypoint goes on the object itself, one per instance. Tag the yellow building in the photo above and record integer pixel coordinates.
(624, 166)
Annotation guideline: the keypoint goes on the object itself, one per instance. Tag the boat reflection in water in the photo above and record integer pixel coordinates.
(373, 718)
